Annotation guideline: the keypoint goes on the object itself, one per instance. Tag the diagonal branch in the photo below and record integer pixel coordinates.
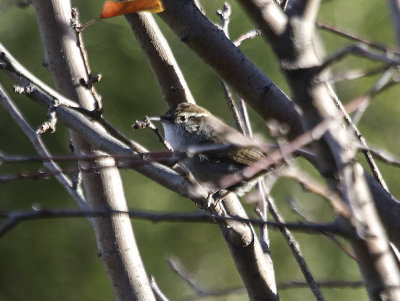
(40, 147)
(211, 44)
(93, 132)
(353, 37)
(166, 70)
(335, 152)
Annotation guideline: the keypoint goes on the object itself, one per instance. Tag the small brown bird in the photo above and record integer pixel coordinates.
(189, 127)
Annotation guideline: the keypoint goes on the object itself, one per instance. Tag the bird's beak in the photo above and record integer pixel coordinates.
(155, 118)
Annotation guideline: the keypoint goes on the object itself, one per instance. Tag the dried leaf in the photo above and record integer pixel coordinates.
(113, 9)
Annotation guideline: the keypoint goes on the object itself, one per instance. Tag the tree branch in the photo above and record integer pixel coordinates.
(335, 151)
(92, 132)
(211, 44)
(161, 59)
(40, 147)
(13, 218)
(115, 239)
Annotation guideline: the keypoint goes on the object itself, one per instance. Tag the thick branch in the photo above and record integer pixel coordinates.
(92, 132)
(210, 43)
(335, 150)
(115, 239)
(159, 55)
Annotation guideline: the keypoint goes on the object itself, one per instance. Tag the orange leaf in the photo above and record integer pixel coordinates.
(113, 9)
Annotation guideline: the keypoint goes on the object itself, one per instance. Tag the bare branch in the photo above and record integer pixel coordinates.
(247, 36)
(233, 66)
(16, 217)
(361, 51)
(90, 78)
(41, 148)
(312, 185)
(335, 150)
(266, 202)
(115, 238)
(225, 17)
(295, 248)
(383, 83)
(277, 156)
(166, 70)
(271, 13)
(335, 284)
(382, 155)
(375, 170)
(92, 132)
(127, 162)
(295, 207)
(178, 267)
(232, 105)
(146, 122)
(324, 284)
(353, 37)
(157, 291)
(355, 74)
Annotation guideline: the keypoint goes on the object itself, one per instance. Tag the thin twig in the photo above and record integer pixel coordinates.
(41, 148)
(16, 217)
(374, 168)
(323, 284)
(332, 284)
(178, 268)
(294, 206)
(50, 123)
(353, 37)
(380, 85)
(146, 123)
(160, 296)
(151, 156)
(245, 117)
(135, 161)
(311, 184)
(33, 84)
(357, 50)
(201, 292)
(277, 156)
(262, 208)
(382, 155)
(356, 74)
(91, 79)
(295, 248)
(262, 212)
(266, 203)
(244, 126)
(247, 36)
(232, 106)
(224, 15)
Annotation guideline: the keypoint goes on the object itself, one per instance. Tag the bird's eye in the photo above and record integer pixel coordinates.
(182, 118)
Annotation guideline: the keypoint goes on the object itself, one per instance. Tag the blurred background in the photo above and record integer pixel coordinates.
(57, 259)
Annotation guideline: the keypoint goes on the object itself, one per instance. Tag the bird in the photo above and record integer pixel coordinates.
(189, 128)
